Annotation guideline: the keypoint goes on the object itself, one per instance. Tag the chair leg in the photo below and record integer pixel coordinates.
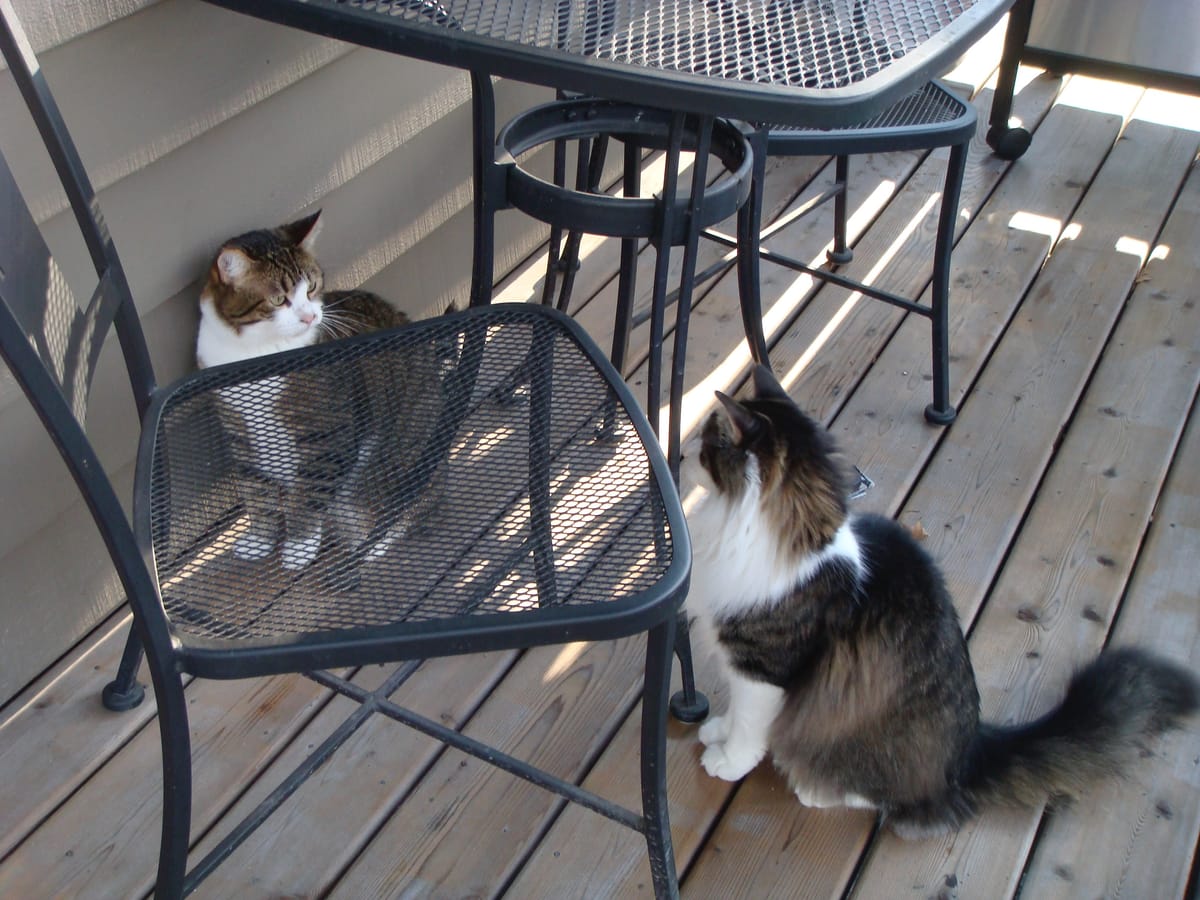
(841, 252)
(687, 705)
(940, 412)
(654, 759)
(540, 365)
(589, 174)
(125, 692)
(177, 787)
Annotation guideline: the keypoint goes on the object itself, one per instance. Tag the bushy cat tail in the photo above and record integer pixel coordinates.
(1111, 707)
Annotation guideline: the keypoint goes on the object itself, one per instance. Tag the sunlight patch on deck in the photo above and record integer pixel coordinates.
(1099, 95)
(1133, 246)
(1047, 226)
(566, 658)
(885, 259)
(1169, 108)
(699, 399)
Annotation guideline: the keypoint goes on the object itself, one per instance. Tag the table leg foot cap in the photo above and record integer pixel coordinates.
(695, 711)
(937, 415)
(121, 701)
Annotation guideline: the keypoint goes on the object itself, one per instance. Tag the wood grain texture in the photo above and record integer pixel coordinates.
(1149, 822)
(986, 491)
(55, 734)
(466, 829)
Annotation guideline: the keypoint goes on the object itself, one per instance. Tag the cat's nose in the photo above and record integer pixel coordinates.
(307, 316)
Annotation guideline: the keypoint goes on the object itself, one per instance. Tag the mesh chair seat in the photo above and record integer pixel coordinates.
(435, 531)
(479, 481)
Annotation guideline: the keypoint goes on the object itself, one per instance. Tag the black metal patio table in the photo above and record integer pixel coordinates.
(675, 75)
(813, 63)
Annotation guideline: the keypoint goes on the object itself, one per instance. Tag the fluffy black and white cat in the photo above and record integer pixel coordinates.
(844, 656)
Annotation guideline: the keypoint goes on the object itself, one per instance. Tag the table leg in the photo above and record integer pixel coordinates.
(1008, 142)
(627, 272)
(488, 195)
(749, 222)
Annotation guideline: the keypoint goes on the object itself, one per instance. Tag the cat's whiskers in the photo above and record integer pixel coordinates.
(337, 325)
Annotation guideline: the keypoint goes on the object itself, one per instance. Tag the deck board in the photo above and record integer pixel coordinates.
(1086, 850)
(1062, 504)
(1008, 429)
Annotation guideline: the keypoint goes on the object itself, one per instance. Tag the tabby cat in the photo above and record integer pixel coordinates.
(305, 470)
(844, 655)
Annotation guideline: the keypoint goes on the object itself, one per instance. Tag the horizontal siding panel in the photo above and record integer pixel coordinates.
(58, 585)
(259, 168)
(135, 91)
(56, 577)
(50, 24)
(418, 200)
(33, 479)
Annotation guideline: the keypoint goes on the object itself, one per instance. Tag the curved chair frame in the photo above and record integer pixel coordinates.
(547, 516)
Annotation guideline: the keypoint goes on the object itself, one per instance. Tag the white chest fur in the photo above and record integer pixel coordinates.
(737, 560)
(273, 446)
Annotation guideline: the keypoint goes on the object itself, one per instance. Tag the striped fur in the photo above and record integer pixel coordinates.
(844, 656)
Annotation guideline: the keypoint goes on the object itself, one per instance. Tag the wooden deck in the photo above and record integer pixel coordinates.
(1064, 504)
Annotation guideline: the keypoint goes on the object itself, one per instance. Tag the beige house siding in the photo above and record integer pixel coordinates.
(196, 123)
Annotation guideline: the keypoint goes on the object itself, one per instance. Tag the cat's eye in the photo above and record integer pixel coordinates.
(279, 300)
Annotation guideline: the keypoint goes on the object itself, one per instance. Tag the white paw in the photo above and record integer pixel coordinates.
(296, 554)
(817, 797)
(719, 762)
(714, 731)
(855, 801)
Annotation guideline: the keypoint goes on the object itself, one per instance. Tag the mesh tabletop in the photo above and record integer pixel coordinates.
(818, 62)
(813, 43)
(426, 472)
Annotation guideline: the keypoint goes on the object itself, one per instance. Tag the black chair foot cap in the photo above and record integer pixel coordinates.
(937, 416)
(121, 701)
(1008, 143)
(696, 711)
(839, 257)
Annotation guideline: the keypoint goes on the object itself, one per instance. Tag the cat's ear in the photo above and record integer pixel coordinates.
(232, 264)
(745, 423)
(767, 386)
(303, 232)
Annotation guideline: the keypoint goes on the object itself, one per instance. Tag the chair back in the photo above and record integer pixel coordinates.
(50, 343)
(66, 338)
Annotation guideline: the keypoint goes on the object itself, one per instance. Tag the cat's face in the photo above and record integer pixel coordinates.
(266, 285)
(766, 450)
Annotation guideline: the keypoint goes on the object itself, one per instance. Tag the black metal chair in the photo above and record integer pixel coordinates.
(928, 118)
(534, 506)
